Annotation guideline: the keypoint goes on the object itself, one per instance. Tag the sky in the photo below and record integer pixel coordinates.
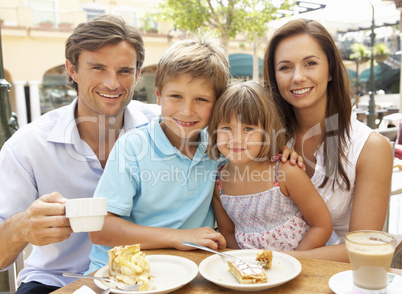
(354, 14)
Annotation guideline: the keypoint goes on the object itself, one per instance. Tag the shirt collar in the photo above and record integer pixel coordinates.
(133, 118)
(162, 142)
(65, 130)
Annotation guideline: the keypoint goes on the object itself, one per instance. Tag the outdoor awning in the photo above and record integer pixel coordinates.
(351, 73)
(384, 76)
(241, 65)
(381, 72)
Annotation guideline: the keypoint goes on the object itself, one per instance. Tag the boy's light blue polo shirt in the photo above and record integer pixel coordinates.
(153, 184)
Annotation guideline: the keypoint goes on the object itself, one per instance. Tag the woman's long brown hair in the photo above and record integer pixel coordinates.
(339, 106)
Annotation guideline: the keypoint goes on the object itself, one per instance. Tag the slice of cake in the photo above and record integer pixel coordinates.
(264, 258)
(247, 273)
(129, 265)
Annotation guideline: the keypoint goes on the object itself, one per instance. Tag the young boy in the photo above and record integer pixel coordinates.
(160, 186)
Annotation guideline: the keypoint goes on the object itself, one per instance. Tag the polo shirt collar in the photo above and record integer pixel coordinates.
(161, 141)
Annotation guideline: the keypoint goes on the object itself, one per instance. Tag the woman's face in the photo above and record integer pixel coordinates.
(302, 72)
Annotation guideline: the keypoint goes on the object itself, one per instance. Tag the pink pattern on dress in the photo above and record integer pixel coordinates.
(266, 220)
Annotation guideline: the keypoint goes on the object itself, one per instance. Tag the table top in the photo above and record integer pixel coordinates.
(313, 278)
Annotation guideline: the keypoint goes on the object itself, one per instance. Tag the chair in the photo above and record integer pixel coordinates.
(13, 273)
(386, 224)
(390, 133)
(16, 267)
(397, 259)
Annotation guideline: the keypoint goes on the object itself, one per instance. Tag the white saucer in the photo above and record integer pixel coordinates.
(342, 283)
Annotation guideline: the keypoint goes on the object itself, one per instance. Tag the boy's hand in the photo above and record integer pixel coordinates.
(202, 236)
(293, 157)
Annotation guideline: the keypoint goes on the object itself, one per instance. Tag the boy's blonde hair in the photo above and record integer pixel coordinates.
(201, 56)
(251, 104)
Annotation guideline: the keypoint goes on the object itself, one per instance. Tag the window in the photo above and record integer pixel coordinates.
(128, 14)
(43, 10)
(54, 91)
(94, 9)
(92, 13)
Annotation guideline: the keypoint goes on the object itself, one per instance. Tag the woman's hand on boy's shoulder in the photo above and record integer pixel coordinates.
(292, 156)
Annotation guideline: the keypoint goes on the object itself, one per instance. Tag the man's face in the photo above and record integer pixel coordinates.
(106, 79)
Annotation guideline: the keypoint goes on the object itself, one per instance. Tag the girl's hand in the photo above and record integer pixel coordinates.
(203, 236)
(293, 157)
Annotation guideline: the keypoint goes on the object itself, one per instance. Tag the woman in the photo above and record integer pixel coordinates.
(348, 163)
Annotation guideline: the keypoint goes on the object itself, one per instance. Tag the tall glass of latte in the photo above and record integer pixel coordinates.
(370, 254)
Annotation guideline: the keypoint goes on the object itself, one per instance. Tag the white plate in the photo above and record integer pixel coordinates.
(342, 283)
(168, 273)
(215, 269)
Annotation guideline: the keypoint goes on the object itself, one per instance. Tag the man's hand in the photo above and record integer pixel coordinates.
(292, 156)
(45, 221)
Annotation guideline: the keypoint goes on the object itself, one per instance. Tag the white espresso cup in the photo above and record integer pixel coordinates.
(370, 255)
(86, 214)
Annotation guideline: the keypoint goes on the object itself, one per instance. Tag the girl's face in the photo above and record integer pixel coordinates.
(302, 72)
(239, 143)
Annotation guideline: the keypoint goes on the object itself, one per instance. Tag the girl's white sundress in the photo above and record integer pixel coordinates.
(266, 220)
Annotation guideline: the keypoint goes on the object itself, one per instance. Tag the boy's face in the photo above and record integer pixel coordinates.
(106, 79)
(186, 107)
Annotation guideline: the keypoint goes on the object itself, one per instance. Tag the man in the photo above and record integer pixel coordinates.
(62, 154)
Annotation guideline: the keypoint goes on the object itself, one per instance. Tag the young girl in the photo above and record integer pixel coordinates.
(260, 202)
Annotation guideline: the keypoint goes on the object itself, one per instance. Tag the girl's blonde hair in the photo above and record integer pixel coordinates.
(252, 105)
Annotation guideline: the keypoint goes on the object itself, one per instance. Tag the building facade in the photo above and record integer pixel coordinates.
(34, 33)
